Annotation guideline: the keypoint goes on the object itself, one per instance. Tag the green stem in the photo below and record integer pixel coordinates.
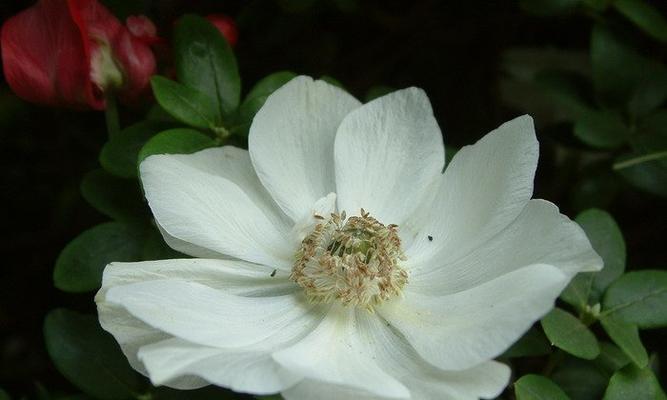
(111, 115)
(638, 160)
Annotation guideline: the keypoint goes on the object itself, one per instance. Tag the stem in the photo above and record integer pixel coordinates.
(638, 160)
(111, 115)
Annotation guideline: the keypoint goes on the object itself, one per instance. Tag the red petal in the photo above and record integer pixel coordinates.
(133, 54)
(46, 59)
(226, 26)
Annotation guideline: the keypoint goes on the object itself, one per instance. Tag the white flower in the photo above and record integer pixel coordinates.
(295, 289)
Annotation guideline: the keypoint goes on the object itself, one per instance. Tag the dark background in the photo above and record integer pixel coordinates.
(452, 49)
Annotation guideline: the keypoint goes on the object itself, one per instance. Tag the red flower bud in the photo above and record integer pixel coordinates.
(71, 52)
(226, 26)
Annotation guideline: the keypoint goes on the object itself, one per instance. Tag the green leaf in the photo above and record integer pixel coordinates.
(548, 7)
(537, 387)
(205, 62)
(566, 89)
(565, 331)
(118, 198)
(89, 357)
(377, 91)
(580, 379)
(611, 357)
(626, 336)
(638, 297)
(119, 154)
(578, 291)
(645, 16)
(623, 75)
(602, 129)
(256, 99)
(187, 105)
(607, 240)
(175, 141)
(634, 383)
(80, 264)
(155, 248)
(4, 395)
(270, 84)
(532, 343)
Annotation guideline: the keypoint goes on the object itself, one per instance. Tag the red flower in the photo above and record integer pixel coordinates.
(70, 52)
(226, 26)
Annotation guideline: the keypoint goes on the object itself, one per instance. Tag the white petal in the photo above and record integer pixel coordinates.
(306, 224)
(483, 189)
(309, 389)
(291, 142)
(189, 248)
(332, 353)
(388, 153)
(459, 331)
(425, 381)
(213, 200)
(242, 371)
(210, 317)
(235, 277)
(540, 235)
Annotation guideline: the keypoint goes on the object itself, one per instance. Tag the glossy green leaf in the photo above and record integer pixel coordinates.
(626, 336)
(118, 198)
(155, 248)
(119, 154)
(566, 89)
(256, 99)
(377, 91)
(548, 7)
(187, 105)
(89, 357)
(533, 343)
(565, 331)
(634, 383)
(611, 357)
(603, 129)
(537, 387)
(580, 379)
(270, 84)
(578, 291)
(638, 297)
(80, 264)
(607, 240)
(205, 62)
(176, 141)
(645, 16)
(620, 72)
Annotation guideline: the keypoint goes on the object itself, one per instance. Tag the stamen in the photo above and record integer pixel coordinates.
(355, 261)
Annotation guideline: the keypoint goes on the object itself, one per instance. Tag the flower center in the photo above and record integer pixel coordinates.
(355, 261)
